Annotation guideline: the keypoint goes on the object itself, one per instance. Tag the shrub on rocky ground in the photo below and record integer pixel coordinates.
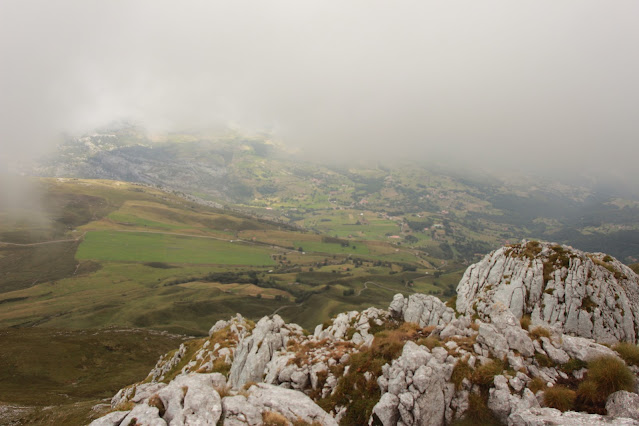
(271, 418)
(461, 371)
(485, 373)
(539, 332)
(560, 397)
(536, 385)
(606, 375)
(525, 322)
(478, 413)
(628, 352)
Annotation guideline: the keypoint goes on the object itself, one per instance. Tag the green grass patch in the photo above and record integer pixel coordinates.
(355, 247)
(129, 219)
(152, 247)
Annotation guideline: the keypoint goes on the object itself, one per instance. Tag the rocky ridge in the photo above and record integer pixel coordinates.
(587, 294)
(420, 362)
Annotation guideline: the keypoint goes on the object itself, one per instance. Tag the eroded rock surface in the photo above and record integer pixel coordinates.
(417, 363)
(589, 295)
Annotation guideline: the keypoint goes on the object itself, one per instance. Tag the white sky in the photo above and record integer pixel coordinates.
(543, 85)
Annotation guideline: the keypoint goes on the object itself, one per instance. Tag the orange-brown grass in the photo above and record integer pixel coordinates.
(537, 384)
(484, 374)
(539, 332)
(223, 391)
(628, 352)
(560, 397)
(461, 371)
(478, 412)
(544, 360)
(271, 418)
(156, 401)
(248, 385)
(303, 351)
(525, 322)
(605, 375)
(464, 342)
(359, 394)
(221, 366)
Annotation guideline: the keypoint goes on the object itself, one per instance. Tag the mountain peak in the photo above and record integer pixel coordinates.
(590, 295)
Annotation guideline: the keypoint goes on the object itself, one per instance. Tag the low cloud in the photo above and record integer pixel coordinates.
(543, 86)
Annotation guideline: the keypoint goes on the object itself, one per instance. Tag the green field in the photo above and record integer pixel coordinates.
(320, 247)
(59, 375)
(156, 247)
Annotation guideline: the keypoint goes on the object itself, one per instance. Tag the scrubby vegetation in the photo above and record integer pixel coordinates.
(484, 374)
(461, 371)
(539, 332)
(525, 322)
(353, 389)
(628, 352)
(560, 397)
(605, 376)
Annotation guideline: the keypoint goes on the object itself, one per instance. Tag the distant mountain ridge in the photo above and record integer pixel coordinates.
(258, 174)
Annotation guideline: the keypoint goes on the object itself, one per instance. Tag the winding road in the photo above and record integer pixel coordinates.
(43, 242)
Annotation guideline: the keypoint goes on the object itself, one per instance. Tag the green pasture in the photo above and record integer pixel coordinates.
(131, 219)
(156, 247)
(320, 247)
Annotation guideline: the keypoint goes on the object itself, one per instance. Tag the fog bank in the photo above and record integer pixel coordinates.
(543, 86)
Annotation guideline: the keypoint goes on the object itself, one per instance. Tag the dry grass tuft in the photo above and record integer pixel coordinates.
(485, 373)
(525, 322)
(223, 391)
(628, 352)
(560, 397)
(536, 385)
(271, 418)
(461, 371)
(156, 401)
(606, 375)
(539, 332)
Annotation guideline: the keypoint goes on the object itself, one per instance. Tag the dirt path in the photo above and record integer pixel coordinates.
(286, 306)
(44, 242)
(378, 285)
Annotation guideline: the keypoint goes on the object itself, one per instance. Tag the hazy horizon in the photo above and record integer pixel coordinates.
(545, 87)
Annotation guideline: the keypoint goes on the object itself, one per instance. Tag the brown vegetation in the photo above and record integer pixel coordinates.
(559, 397)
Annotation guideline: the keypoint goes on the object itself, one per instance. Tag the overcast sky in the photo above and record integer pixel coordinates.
(541, 84)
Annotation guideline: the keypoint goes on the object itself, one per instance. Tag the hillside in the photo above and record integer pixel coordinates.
(419, 362)
(52, 376)
(112, 253)
(447, 214)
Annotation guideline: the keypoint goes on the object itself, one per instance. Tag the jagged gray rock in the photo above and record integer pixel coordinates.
(419, 386)
(112, 419)
(254, 352)
(587, 294)
(293, 405)
(623, 404)
(421, 309)
(386, 409)
(585, 349)
(238, 412)
(550, 416)
(416, 387)
(142, 414)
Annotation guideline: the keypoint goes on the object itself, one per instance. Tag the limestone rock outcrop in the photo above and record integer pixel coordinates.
(418, 363)
(589, 295)
(421, 309)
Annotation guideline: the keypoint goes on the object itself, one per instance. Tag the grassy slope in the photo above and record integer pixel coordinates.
(124, 226)
(73, 370)
(161, 247)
